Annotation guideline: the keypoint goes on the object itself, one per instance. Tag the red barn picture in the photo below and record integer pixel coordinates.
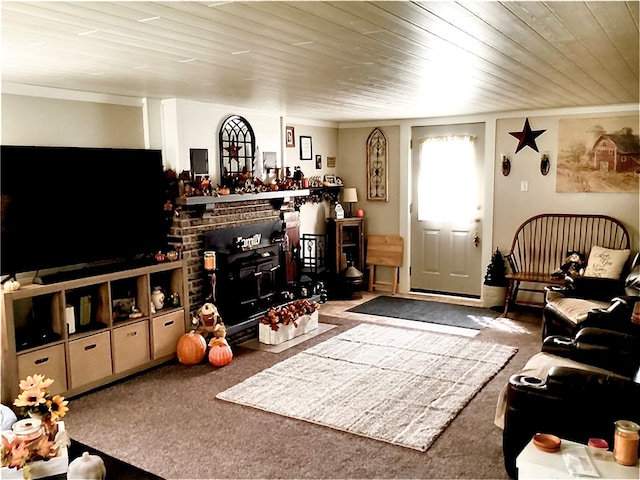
(598, 155)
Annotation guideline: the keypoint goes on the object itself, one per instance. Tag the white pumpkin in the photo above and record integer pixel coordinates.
(11, 285)
(87, 467)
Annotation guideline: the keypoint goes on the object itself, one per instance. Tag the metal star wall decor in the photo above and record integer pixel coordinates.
(527, 137)
(234, 150)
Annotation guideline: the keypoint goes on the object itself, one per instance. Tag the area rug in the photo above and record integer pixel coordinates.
(425, 311)
(400, 386)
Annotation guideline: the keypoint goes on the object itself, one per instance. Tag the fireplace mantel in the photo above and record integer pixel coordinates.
(278, 194)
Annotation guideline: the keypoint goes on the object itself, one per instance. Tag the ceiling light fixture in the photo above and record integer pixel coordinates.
(148, 19)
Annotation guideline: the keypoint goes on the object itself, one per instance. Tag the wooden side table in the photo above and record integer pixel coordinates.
(535, 464)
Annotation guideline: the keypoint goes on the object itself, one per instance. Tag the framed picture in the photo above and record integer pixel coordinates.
(199, 161)
(597, 163)
(330, 179)
(270, 160)
(291, 136)
(331, 162)
(305, 148)
(318, 162)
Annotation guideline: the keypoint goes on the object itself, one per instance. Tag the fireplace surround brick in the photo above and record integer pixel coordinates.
(187, 233)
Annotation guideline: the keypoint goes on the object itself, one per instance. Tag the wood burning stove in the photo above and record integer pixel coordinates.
(248, 277)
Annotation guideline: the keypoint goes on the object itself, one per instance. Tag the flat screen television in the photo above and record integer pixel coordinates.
(68, 208)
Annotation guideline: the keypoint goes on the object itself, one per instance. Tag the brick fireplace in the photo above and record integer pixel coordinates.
(188, 230)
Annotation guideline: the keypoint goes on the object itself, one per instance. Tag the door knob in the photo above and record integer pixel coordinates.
(476, 239)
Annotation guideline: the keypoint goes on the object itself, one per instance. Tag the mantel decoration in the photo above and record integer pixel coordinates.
(237, 145)
(377, 175)
(37, 437)
(527, 137)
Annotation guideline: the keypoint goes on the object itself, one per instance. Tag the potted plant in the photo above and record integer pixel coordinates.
(494, 289)
(288, 321)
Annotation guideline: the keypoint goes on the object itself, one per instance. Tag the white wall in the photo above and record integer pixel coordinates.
(187, 124)
(41, 121)
(324, 142)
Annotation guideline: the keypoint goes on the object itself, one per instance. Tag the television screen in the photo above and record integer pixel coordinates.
(72, 206)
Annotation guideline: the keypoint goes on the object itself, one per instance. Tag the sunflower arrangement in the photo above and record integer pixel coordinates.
(36, 402)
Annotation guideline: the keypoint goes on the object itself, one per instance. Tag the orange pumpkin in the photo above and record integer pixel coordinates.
(220, 353)
(192, 348)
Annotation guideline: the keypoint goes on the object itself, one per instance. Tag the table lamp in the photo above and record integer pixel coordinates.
(350, 195)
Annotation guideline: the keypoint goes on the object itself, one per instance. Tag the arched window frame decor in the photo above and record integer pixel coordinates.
(377, 160)
(237, 145)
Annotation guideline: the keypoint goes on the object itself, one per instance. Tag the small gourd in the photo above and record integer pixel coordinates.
(11, 285)
(192, 348)
(220, 353)
(87, 467)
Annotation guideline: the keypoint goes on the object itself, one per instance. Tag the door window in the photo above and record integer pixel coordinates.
(447, 179)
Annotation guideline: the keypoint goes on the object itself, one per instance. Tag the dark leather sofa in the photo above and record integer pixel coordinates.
(591, 302)
(574, 402)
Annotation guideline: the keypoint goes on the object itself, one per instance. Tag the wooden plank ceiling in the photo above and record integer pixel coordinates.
(335, 61)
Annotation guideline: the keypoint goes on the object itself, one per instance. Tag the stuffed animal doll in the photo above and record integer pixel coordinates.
(209, 320)
(573, 266)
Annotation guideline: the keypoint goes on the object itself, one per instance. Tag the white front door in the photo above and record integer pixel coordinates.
(446, 211)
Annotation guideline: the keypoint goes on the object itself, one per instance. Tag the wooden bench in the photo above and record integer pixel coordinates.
(541, 243)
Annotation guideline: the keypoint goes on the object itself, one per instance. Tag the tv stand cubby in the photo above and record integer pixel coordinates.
(85, 333)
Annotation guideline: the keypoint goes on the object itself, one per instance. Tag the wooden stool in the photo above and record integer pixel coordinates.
(384, 251)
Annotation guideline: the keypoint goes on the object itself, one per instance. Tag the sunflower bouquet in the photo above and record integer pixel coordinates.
(36, 403)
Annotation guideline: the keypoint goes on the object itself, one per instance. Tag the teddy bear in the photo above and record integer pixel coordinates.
(210, 321)
(572, 266)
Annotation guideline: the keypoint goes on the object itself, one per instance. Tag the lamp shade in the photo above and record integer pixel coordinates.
(349, 195)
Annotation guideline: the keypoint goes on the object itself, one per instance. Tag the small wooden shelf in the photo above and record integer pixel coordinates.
(346, 240)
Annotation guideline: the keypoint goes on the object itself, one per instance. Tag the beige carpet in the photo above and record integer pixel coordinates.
(396, 385)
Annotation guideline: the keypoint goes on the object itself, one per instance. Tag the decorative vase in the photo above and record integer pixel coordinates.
(157, 298)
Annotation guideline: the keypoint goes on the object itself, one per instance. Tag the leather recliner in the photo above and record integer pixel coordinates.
(593, 380)
(592, 302)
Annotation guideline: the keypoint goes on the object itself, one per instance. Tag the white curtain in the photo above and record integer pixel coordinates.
(447, 179)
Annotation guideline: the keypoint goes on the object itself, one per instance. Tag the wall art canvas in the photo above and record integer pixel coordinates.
(598, 155)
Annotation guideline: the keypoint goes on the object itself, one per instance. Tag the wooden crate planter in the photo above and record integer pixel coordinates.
(57, 465)
(306, 324)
